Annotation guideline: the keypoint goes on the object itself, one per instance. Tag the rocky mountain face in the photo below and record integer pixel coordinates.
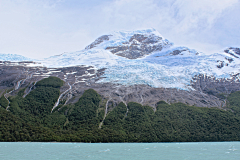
(235, 52)
(15, 76)
(138, 46)
(138, 66)
(98, 41)
(134, 46)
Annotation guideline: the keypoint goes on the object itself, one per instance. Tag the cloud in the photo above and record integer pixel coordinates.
(185, 22)
(38, 29)
(52, 3)
(49, 27)
(195, 14)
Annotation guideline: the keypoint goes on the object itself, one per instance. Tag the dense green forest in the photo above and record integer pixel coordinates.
(30, 119)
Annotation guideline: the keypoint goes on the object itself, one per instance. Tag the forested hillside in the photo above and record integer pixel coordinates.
(30, 119)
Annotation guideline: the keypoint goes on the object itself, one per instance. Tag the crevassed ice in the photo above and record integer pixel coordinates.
(156, 70)
(160, 69)
(167, 72)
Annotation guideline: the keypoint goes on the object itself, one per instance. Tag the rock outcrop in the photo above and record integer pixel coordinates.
(139, 45)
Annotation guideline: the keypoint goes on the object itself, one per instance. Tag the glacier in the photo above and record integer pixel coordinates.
(14, 58)
(160, 72)
(171, 67)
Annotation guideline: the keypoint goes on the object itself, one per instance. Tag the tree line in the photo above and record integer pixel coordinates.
(30, 119)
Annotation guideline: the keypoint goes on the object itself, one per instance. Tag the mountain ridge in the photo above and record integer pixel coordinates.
(172, 73)
(141, 89)
(130, 57)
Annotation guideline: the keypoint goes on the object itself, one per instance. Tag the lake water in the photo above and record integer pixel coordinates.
(171, 151)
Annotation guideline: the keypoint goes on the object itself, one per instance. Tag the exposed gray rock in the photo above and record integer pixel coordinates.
(235, 52)
(98, 41)
(139, 45)
(216, 87)
(209, 91)
(221, 64)
(229, 59)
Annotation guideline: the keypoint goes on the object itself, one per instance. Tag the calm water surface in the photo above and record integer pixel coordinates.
(171, 151)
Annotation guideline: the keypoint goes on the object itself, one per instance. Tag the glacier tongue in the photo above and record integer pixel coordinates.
(94, 57)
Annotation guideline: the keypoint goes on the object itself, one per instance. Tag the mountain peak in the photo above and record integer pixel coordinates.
(131, 44)
(146, 57)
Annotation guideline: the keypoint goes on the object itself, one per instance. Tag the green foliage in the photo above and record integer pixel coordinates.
(54, 120)
(50, 82)
(36, 106)
(234, 102)
(114, 119)
(3, 101)
(41, 100)
(175, 123)
(13, 128)
(137, 124)
(30, 119)
(85, 111)
(21, 92)
(179, 122)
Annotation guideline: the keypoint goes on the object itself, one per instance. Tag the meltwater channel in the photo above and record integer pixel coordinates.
(131, 151)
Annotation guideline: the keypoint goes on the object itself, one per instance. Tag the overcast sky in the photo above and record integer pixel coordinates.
(41, 28)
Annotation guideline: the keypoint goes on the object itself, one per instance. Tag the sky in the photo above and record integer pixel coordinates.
(43, 28)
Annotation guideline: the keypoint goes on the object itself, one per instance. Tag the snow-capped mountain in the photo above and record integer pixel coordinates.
(14, 58)
(131, 45)
(146, 57)
(135, 66)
